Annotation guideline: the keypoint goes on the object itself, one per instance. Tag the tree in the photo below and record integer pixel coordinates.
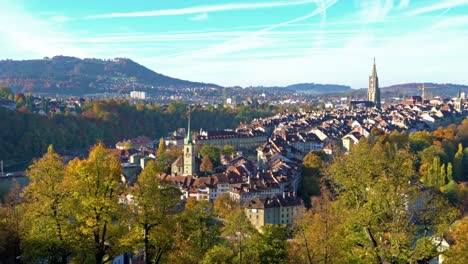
(458, 164)
(154, 202)
(47, 213)
(377, 198)
(161, 147)
(271, 245)
(11, 224)
(228, 150)
(238, 228)
(19, 99)
(318, 234)
(96, 189)
(196, 232)
(311, 166)
(206, 165)
(6, 93)
(212, 152)
(219, 254)
(224, 205)
(458, 252)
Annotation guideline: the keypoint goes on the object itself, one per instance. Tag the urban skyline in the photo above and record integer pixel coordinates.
(251, 43)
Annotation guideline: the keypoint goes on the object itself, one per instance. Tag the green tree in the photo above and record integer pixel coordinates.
(96, 189)
(271, 245)
(48, 235)
(6, 93)
(377, 199)
(195, 234)
(238, 229)
(228, 150)
(219, 254)
(458, 164)
(311, 168)
(161, 147)
(154, 202)
(212, 152)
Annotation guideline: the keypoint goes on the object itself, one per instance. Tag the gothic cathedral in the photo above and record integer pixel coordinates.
(373, 94)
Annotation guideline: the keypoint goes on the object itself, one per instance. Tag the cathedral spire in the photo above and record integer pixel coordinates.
(189, 136)
(374, 69)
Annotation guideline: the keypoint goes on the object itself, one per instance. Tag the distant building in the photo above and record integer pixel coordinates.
(373, 94)
(138, 95)
(415, 99)
(282, 209)
(239, 140)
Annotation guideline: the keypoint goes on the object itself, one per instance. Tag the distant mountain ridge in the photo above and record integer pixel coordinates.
(70, 75)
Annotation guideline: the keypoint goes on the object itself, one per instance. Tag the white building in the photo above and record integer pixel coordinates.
(138, 95)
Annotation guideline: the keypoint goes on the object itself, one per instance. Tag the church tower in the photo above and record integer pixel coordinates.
(458, 102)
(373, 94)
(189, 155)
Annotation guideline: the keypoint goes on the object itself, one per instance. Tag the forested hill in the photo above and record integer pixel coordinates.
(312, 88)
(70, 75)
(24, 135)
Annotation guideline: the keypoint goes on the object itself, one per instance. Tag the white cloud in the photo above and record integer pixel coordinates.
(439, 5)
(203, 9)
(59, 19)
(403, 4)
(250, 40)
(26, 34)
(375, 10)
(200, 17)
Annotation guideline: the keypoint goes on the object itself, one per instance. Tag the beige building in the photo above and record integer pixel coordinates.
(276, 210)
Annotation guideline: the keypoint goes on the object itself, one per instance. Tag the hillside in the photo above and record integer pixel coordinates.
(70, 75)
(311, 88)
(408, 89)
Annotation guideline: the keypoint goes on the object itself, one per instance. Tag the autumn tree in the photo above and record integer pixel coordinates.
(224, 205)
(458, 252)
(318, 234)
(154, 201)
(206, 164)
(196, 232)
(96, 189)
(377, 197)
(47, 212)
(238, 229)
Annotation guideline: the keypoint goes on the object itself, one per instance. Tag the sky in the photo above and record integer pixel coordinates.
(251, 42)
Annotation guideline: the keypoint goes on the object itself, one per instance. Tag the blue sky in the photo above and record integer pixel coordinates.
(251, 42)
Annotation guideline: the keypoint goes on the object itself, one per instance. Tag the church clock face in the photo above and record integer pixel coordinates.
(187, 155)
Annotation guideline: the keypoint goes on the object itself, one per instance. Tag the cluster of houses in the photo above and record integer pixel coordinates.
(267, 186)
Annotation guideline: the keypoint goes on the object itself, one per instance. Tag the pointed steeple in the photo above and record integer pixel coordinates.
(459, 94)
(188, 139)
(374, 69)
